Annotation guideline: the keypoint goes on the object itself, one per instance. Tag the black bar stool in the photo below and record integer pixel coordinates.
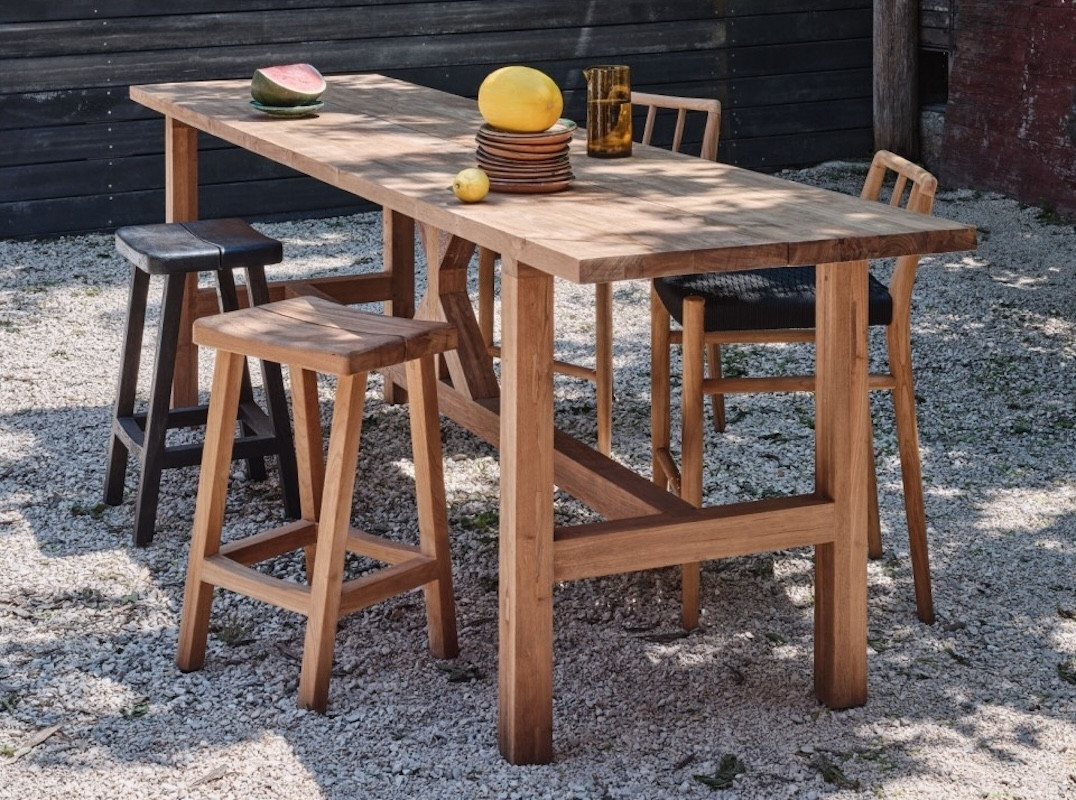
(175, 250)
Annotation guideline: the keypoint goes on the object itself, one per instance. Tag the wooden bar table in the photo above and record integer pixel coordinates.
(656, 213)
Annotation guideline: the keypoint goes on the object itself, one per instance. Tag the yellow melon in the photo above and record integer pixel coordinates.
(519, 99)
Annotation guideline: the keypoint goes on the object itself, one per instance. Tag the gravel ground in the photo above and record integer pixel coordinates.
(980, 705)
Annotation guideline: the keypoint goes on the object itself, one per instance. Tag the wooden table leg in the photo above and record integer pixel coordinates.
(181, 205)
(841, 431)
(525, 670)
(398, 253)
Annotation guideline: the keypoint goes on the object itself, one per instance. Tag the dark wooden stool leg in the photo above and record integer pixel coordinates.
(277, 405)
(153, 450)
(209, 509)
(229, 301)
(116, 471)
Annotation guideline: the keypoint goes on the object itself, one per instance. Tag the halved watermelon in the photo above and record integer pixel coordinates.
(287, 85)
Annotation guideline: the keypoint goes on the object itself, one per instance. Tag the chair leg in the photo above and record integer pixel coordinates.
(153, 445)
(603, 364)
(900, 363)
(874, 522)
(717, 401)
(333, 529)
(209, 508)
(660, 433)
(116, 471)
(432, 508)
(691, 403)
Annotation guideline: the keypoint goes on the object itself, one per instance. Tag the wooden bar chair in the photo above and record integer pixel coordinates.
(172, 251)
(313, 335)
(778, 305)
(601, 373)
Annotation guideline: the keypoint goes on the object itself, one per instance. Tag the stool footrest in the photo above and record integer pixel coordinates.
(387, 582)
(131, 430)
(408, 568)
(222, 571)
(271, 543)
(380, 548)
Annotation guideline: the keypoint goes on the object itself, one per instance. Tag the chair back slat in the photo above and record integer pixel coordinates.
(921, 187)
(682, 105)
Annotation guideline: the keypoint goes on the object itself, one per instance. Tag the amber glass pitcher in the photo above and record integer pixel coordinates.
(608, 111)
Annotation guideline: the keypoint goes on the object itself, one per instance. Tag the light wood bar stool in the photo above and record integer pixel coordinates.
(313, 335)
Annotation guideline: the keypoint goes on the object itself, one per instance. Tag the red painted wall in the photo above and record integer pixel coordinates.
(1011, 119)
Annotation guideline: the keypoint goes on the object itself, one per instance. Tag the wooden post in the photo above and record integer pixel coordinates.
(181, 205)
(398, 253)
(842, 428)
(896, 77)
(525, 662)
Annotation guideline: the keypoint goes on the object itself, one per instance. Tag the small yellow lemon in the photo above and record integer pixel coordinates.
(470, 185)
(519, 99)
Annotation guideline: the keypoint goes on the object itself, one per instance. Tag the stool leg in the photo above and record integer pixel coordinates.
(229, 301)
(153, 449)
(209, 509)
(308, 452)
(116, 470)
(277, 405)
(432, 511)
(333, 529)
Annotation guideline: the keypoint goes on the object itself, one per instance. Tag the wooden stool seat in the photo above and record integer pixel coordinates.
(175, 250)
(313, 335)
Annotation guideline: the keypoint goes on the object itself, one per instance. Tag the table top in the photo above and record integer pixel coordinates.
(656, 213)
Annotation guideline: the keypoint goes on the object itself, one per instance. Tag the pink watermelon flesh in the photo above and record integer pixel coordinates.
(287, 85)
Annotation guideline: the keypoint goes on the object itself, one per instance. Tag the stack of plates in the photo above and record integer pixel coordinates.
(526, 162)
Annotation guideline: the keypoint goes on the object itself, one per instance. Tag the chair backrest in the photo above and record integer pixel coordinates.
(919, 184)
(682, 105)
(914, 189)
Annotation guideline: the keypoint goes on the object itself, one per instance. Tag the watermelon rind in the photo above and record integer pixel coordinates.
(287, 85)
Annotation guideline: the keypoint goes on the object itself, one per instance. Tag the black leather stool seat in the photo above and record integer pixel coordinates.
(175, 250)
(760, 299)
(199, 246)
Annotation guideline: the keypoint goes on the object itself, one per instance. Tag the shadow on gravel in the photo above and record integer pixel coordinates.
(984, 699)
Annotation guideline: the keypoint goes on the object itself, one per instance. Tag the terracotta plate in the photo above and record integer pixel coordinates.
(540, 187)
(523, 155)
(485, 159)
(561, 131)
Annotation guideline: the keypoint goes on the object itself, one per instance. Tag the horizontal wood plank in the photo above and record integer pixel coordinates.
(69, 134)
(325, 24)
(608, 548)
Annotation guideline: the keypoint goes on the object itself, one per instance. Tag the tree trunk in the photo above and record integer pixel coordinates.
(896, 76)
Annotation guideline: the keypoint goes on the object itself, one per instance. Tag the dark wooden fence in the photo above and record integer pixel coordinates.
(77, 155)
